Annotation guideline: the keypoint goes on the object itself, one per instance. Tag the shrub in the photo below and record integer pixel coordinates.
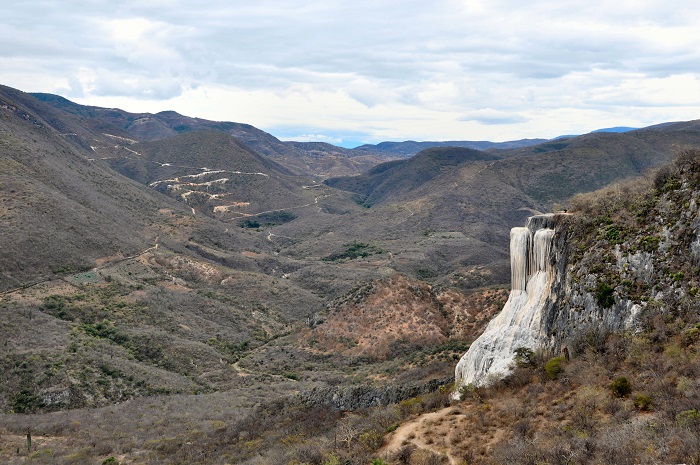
(333, 459)
(553, 367)
(253, 224)
(25, 401)
(524, 357)
(690, 336)
(604, 295)
(663, 176)
(642, 402)
(612, 234)
(688, 419)
(621, 387)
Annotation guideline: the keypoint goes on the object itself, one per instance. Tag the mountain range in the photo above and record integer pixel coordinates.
(157, 254)
(454, 205)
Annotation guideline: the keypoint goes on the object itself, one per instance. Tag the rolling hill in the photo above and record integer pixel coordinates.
(186, 278)
(60, 209)
(310, 159)
(407, 149)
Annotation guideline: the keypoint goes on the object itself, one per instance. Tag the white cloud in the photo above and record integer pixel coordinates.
(316, 138)
(450, 69)
(491, 116)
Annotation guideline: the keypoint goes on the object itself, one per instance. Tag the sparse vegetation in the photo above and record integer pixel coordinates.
(189, 352)
(353, 251)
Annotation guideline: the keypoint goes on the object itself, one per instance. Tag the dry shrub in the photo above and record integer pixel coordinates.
(426, 457)
(310, 454)
(607, 200)
(403, 455)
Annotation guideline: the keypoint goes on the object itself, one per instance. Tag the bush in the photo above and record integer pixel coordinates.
(604, 295)
(25, 401)
(688, 419)
(553, 367)
(253, 224)
(642, 402)
(333, 459)
(524, 357)
(621, 387)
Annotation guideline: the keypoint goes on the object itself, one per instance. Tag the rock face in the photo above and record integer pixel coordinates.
(546, 307)
(520, 323)
(363, 396)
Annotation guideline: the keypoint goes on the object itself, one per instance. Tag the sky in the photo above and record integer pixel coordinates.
(366, 71)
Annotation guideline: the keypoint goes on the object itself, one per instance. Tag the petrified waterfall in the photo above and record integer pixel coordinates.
(520, 323)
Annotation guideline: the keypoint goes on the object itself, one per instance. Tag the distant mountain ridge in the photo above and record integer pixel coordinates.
(409, 148)
(312, 160)
(308, 158)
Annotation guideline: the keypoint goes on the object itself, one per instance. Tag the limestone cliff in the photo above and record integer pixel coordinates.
(522, 322)
(629, 254)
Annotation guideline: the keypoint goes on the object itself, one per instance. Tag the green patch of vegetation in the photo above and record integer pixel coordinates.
(104, 330)
(69, 269)
(352, 251)
(427, 274)
(612, 234)
(87, 277)
(689, 419)
(678, 276)
(249, 223)
(554, 367)
(524, 357)
(267, 220)
(621, 387)
(605, 295)
(277, 218)
(25, 401)
(231, 351)
(649, 243)
(642, 402)
(361, 201)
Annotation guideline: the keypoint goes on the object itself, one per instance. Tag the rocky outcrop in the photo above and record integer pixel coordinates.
(550, 301)
(520, 323)
(360, 397)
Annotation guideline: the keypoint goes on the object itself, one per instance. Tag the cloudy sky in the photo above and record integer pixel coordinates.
(355, 71)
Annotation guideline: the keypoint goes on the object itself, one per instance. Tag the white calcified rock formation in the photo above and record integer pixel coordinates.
(521, 322)
(551, 302)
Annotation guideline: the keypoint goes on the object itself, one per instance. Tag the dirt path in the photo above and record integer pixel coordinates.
(411, 432)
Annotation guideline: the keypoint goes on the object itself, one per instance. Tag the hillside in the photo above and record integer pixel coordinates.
(621, 391)
(61, 210)
(455, 211)
(214, 306)
(301, 158)
(213, 173)
(409, 148)
(627, 397)
(394, 180)
(550, 171)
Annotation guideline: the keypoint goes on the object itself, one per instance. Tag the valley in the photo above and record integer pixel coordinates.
(178, 290)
